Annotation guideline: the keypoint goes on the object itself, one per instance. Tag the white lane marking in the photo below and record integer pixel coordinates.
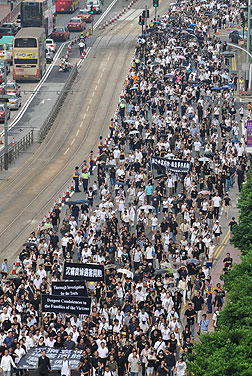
(93, 95)
(98, 81)
(80, 62)
(66, 151)
(36, 89)
(90, 101)
(104, 14)
(84, 117)
(72, 141)
(87, 108)
(95, 87)
(77, 132)
(101, 75)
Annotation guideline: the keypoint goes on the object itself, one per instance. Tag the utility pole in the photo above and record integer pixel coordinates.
(4, 99)
(248, 44)
(146, 18)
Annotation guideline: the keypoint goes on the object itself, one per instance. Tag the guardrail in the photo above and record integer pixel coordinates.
(13, 13)
(16, 149)
(59, 103)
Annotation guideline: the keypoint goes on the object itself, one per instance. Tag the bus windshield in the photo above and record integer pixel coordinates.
(25, 42)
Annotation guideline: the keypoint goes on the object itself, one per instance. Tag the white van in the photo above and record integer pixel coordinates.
(97, 6)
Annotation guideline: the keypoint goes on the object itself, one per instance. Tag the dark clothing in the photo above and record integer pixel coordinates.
(44, 365)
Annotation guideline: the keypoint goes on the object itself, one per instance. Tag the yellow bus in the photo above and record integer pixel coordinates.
(29, 58)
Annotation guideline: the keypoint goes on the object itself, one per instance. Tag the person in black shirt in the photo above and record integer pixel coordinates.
(190, 315)
(198, 302)
(228, 261)
(44, 366)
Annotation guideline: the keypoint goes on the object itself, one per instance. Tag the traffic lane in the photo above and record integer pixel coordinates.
(32, 191)
(61, 20)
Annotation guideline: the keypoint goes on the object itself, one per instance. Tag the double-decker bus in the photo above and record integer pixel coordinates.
(38, 13)
(29, 58)
(66, 6)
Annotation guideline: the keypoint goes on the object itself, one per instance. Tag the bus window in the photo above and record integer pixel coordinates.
(25, 42)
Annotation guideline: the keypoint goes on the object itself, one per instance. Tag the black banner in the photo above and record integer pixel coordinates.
(30, 360)
(66, 304)
(72, 288)
(83, 272)
(172, 165)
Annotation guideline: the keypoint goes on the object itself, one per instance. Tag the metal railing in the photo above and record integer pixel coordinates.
(58, 104)
(16, 149)
(12, 14)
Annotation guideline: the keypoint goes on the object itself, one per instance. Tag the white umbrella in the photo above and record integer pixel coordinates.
(133, 132)
(125, 271)
(147, 207)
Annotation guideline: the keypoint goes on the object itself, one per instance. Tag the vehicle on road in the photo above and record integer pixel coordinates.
(2, 112)
(2, 66)
(76, 24)
(49, 55)
(66, 6)
(11, 88)
(14, 102)
(6, 48)
(85, 15)
(50, 43)
(29, 59)
(60, 33)
(38, 13)
(18, 21)
(97, 6)
(8, 30)
(236, 35)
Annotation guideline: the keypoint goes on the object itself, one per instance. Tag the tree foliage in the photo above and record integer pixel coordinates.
(228, 351)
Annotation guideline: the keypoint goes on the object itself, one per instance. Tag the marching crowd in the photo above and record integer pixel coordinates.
(155, 230)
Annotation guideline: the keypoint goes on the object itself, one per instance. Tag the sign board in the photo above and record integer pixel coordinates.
(72, 288)
(26, 55)
(172, 165)
(249, 133)
(75, 305)
(83, 272)
(30, 360)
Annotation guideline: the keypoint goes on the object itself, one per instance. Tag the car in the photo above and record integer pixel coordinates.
(50, 43)
(49, 55)
(2, 112)
(60, 33)
(236, 35)
(14, 102)
(7, 31)
(96, 4)
(12, 88)
(76, 24)
(2, 67)
(85, 15)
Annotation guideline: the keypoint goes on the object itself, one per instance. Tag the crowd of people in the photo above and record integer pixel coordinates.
(155, 230)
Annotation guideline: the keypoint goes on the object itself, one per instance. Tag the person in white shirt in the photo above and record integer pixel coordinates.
(19, 353)
(7, 363)
(103, 351)
(50, 341)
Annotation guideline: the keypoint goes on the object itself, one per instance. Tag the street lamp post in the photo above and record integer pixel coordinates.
(248, 44)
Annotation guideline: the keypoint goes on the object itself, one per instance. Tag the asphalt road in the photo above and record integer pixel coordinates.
(28, 195)
(26, 88)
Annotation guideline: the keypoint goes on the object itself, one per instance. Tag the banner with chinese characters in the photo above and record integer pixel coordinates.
(30, 360)
(76, 305)
(172, 165)
(84, 272)
(71, 288)
(249, 133)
